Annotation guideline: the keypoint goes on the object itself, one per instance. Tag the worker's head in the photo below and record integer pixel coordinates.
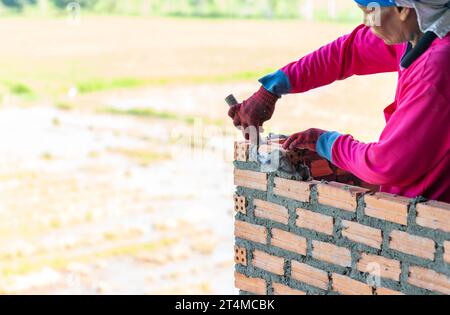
(391, 23)
(398, 21)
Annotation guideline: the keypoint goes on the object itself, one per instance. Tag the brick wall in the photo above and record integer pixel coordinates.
(323, 236)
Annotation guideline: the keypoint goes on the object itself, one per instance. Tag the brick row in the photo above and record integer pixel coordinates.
(412, 245)
(250, 179)
(379, 266)
(281, 289)
(348, 286)
(309, 275)
(362, 234)
(332, 254)
(250, 232)
(268, 262)
(387, 207)
(434, 215)
(253, 285)
(271, 211)
(292, 189)
(289, 241)
(429, 279)
(314, 221)
(339, 195)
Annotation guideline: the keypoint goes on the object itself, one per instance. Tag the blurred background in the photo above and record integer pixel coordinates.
(115, 145)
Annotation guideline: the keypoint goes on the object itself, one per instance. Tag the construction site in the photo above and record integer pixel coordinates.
(121, 172)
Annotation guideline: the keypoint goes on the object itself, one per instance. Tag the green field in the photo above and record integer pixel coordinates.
(250, 9)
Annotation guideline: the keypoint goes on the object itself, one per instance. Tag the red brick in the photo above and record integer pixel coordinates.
(280, 289)
(268, 262)
(315, 221)
(250, 179)
(388, 268)
(240, 204)
(240, 255)
(371, 187)
(447, 252)
(434, 215)
(320, 168)
(332, 254)
(289, 241)
(250, 232)
(362, 234)
(385, 291)
(387, 207)
(241, 151)
(412, 245)
(340, 171)
(429, 279)
(252, 285)
(293, 189)
(271, 211)
(339, 195)
(309, 275)
(347, 286)
(295, 157)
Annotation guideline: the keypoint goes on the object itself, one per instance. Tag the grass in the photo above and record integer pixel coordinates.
(65, 106)
(94, 85)
(47, 156)
(102, 84)
(143, 157)
(20, 89)
(143, 112)
(99, 84)
(28, 266)
(238, 9)
(164, 115)
(56, 122)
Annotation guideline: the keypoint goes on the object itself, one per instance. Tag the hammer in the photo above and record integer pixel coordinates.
(231, 101)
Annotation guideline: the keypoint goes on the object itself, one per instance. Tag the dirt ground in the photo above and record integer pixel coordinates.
(96, 203)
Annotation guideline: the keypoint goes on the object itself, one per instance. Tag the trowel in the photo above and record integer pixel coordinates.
(270, 161)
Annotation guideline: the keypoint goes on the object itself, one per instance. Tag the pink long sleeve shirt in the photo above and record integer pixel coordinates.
(411, 157)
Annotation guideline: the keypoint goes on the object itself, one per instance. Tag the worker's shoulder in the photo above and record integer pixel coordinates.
(439, 54)
(435, 67)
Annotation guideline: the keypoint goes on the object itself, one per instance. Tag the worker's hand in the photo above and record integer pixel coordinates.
(304, 140)
(253, 112)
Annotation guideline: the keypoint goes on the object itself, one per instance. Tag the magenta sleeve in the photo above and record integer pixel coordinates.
(416, 139)
(358, 53)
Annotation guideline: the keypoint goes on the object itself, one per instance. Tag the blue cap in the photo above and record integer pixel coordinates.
(382, 3)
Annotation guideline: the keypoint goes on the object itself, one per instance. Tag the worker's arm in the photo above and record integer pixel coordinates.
(416, 139)
(357, 53)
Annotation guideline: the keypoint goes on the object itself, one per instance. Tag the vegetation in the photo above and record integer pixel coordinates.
(164, 115)
(102, 84)
(182, 8)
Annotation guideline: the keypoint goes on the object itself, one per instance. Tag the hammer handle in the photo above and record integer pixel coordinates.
(231, 100)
